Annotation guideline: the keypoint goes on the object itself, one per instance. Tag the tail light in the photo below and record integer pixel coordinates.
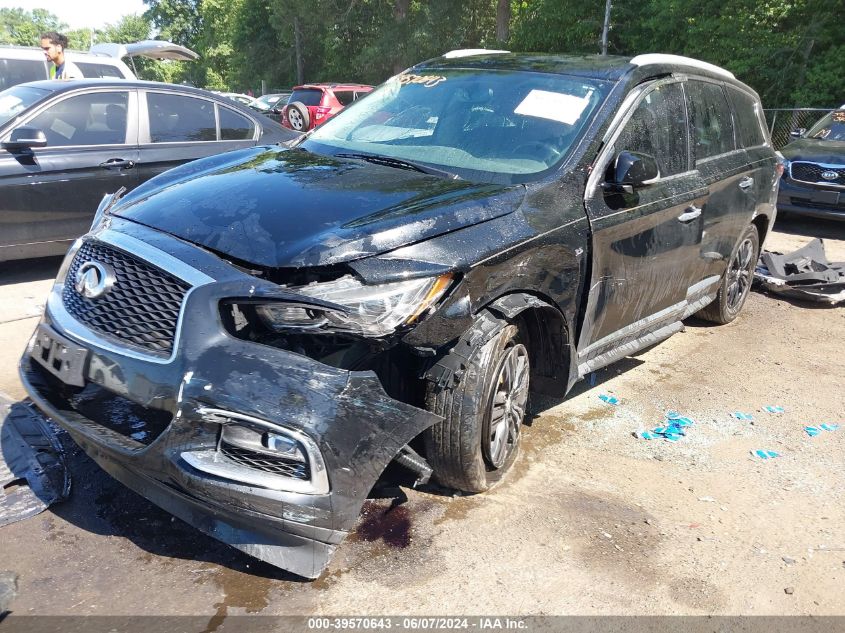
(321, 112)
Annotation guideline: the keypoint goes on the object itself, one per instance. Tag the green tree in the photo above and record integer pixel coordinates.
(24, 28)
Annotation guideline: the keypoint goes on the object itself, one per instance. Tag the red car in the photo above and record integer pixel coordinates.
(312, 104)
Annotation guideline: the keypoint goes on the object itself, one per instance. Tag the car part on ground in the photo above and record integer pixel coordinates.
(804, 274)
(279, 325)
(33, 473)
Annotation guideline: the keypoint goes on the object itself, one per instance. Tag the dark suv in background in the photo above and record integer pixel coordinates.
(278, 325)
(813, 182)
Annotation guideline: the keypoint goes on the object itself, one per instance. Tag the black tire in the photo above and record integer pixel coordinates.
(736, 282)
(483, 400)
(298, 117)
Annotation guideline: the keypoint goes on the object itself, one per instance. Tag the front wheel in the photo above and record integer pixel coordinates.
(483, 408)
(736, 282)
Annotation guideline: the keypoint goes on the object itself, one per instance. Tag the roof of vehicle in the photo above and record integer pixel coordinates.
(76, 84)
(606, 67)
(33, 52)
(333, 86)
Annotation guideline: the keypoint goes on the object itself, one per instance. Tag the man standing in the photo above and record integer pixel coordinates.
(53, 44)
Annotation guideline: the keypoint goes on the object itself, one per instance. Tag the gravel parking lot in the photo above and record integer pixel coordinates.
(592, 520)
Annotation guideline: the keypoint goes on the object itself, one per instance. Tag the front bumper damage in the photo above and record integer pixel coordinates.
(156, 425)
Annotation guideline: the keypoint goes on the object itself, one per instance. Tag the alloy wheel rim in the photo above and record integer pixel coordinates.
(507, 406)
(295, 120)
(740, 274)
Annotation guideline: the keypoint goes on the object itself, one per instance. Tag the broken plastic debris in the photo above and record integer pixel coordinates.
(33, 473)
(812, 431)
(646, 435)
(773, 409)
(739, 415)
(803, 274)
(763, 454)
(672, 432)
(609, 399)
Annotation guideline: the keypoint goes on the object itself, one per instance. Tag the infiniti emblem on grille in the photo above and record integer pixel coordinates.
(830, 175)
(94, 279)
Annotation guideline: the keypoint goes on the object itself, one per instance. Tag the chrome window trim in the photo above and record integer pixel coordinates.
(826, 183)
(145, 252)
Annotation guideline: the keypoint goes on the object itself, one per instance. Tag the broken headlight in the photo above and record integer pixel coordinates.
(368, 310)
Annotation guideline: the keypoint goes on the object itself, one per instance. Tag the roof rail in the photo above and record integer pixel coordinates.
(468, 52)
(662, 58)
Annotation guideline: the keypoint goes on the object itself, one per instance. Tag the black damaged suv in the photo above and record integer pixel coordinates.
(250, 339)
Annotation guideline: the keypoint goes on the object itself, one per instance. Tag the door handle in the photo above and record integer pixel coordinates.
(118, 163)
(746, 182)
(691, 213)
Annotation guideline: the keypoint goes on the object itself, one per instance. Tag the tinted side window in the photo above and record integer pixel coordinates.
(234, 126)
(345, 97)
(747, 110)
(18, 71)
(710, 117)
(99, 70)
(92, 119)
(309, 96)
(176, 118)
(658, 127)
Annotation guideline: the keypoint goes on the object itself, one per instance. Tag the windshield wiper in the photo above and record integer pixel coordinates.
(401, 163)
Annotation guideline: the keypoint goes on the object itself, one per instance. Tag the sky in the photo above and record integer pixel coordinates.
(81, 14)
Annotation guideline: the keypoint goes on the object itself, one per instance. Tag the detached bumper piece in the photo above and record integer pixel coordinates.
(805, 274)
(33, 474)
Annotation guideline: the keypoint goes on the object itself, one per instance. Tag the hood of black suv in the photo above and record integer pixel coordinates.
(291, 208)
(816, 151)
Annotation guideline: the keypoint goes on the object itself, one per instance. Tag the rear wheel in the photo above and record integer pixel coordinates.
(483, 406)
(736, 282)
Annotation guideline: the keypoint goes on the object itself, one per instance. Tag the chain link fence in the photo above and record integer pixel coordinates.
(781, 122)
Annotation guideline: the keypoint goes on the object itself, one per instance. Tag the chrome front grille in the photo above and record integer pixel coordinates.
(812, 173)
(141, 308)
(263, 461)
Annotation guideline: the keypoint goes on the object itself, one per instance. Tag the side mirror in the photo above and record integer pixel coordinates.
(25, 138)
(798, 133)
(631, 170)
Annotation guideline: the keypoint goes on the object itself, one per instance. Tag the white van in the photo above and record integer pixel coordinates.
(19, 64)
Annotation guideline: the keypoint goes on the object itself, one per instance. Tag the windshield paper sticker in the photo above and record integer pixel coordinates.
(428, 81)
(554, 106)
